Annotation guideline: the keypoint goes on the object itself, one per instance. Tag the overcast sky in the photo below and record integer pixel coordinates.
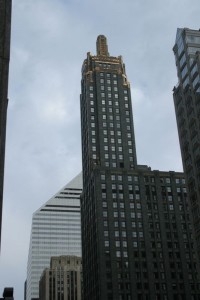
(50, 39)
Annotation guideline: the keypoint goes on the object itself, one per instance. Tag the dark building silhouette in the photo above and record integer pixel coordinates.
(136, 233)
(5, 28)
(8, 294)
(187, 107)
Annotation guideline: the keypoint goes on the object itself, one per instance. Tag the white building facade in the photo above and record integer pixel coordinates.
(56, 230)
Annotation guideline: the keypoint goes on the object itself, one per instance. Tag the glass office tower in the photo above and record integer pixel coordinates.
(55, 231)
(136, 233)
(187, 107)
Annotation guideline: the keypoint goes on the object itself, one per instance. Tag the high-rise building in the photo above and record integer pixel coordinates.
(63, 280)
(136, 233)
(5, 29)
(55, 231)
(8, 294)
(187, 107)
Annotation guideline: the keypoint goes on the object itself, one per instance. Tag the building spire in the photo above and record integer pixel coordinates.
(102, 47)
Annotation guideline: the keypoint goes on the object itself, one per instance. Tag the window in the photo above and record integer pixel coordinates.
(91, 88)
(115, 81)
(121, 205)
(133, 215)
(106, 233)
(125, 253)
(105, 214)
(141, 235)
(106, 243)
(134, 234)
(116, 96)
(169, 189)
(93, 132)
(123, 233)
(118, 254)
(133, 224)
(117, 243)
(124, 244)
(116, 224)
(103, 95)
(135, 244)
(91, 95)
(103, 177)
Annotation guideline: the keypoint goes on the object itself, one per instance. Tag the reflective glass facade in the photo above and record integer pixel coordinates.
(187, 107)
(55, 231)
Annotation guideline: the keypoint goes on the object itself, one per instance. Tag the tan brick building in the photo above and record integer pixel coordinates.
(62, 281)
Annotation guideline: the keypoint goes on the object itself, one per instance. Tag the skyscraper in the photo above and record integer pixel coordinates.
(187, 107)
(55, 231)
(136, 232)
(5, 29)
(63, 279)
